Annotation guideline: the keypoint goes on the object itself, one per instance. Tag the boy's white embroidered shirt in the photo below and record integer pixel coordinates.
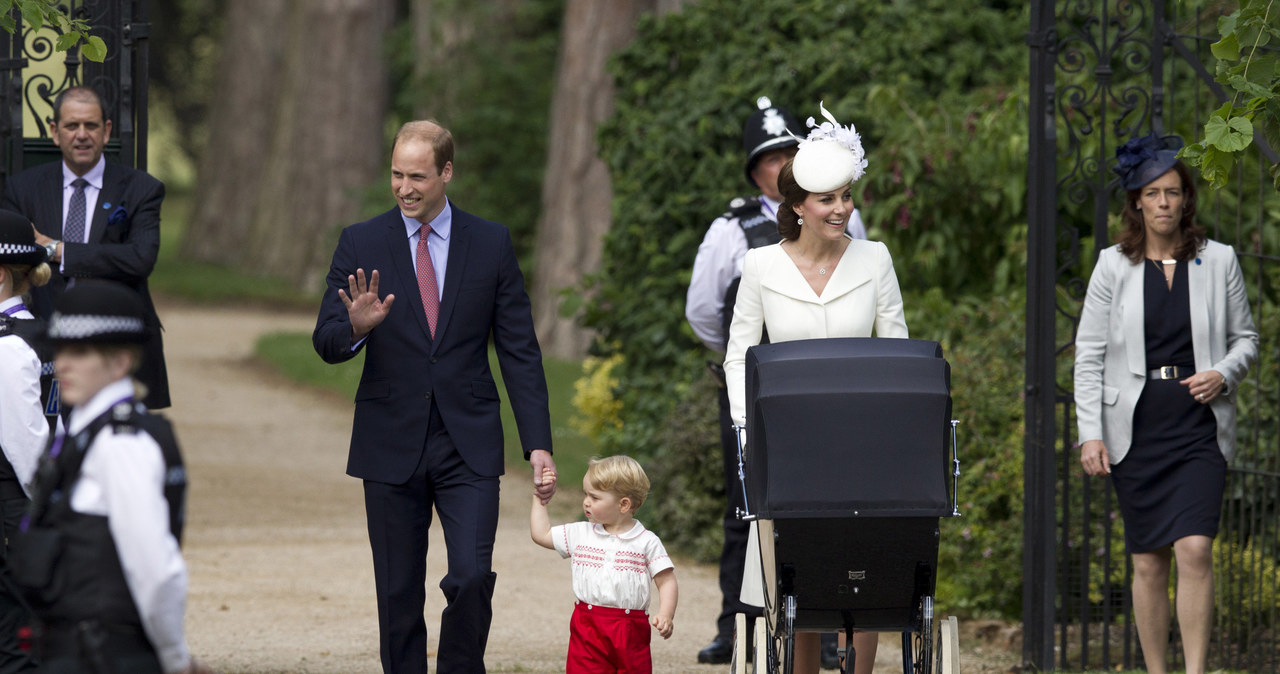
(611, 570)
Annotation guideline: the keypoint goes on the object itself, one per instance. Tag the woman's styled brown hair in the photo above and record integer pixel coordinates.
(1133, 237)
(792, 194)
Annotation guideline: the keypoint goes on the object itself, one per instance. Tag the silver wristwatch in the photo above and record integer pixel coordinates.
(51, 248)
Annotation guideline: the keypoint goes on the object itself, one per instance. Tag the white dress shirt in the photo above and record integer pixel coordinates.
(23, 429)
(719, 262)
(122, 478)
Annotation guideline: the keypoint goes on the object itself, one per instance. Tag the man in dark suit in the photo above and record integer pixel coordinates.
(427, 430)
(95, 218)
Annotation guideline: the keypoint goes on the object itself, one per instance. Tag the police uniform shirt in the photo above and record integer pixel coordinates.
(23, 429)
(122, 478)
(719, 262)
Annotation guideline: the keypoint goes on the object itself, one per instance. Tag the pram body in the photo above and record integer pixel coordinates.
(847, 464)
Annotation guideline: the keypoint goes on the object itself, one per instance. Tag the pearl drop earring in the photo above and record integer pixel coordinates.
(800, 221)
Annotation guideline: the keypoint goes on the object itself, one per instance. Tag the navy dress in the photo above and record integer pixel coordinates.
(1170, 483)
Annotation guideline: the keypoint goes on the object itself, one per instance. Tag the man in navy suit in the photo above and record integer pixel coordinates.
(427, 430)
(95, 218)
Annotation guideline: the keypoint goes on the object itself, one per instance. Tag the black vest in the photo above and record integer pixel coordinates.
(29, 330)
(760, 231)
(66, 561)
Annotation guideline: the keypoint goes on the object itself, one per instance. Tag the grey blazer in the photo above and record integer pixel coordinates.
(1111, 360)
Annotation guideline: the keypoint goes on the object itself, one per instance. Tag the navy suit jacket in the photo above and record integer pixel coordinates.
(405, 370)
(124, 239)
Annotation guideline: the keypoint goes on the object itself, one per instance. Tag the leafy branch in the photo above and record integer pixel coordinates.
(71, 32)
(1253, 77)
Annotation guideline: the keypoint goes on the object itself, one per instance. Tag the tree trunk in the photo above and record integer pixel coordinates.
(576, 192)
(296, 134)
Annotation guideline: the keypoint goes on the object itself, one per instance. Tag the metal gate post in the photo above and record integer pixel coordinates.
(1039, 472)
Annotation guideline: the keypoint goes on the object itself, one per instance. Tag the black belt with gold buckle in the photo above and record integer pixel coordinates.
(1171, 372)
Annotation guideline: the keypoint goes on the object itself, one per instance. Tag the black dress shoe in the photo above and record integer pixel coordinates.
(718, 652)
(829, 654)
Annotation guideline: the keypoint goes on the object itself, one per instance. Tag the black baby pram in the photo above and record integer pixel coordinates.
(850, 450)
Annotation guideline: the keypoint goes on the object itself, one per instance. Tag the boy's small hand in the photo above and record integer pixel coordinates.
(548, 477)
(663, 625)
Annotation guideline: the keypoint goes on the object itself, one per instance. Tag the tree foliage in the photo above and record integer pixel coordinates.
(185, 38)
(489, 84)
(1251, 73)
(71, 31)
(941, 113)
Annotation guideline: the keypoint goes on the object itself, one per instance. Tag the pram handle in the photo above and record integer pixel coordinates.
(744, 513)
(955, 470)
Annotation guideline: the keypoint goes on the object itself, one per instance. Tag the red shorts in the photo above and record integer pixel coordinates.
(605, 640)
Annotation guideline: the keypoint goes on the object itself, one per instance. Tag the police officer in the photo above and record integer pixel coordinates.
(98, 556)
(24, 431)
(750, 222)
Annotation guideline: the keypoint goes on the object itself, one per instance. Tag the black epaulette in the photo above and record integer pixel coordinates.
(124, 419)
(742, 207)
(760, 229)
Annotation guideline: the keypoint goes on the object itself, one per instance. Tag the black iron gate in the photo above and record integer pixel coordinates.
(33, 73)
(1101, 72)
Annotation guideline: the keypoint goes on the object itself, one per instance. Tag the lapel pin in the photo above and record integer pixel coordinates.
(106, 205)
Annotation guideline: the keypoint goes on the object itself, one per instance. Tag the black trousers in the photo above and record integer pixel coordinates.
(734, 554)
(398, 519)
(65, 650)
(13, 615)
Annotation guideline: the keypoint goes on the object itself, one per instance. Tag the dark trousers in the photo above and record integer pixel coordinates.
(90, 648)
(13, 614)
(398, 518)
(734, 553)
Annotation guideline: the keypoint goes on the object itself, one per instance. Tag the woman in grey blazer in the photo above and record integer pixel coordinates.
(1165, 337)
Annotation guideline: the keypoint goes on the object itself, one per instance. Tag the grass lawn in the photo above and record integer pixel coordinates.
(292, 355)
(205, 283)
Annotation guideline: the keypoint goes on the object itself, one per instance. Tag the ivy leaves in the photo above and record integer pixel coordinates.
(70, 31)
(1255, 105)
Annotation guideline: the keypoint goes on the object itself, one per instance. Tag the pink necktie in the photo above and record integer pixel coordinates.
(427, 280)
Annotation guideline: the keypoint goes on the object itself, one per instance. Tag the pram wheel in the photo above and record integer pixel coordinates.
(948, 646)
(738, 663)
(917, 646)
(764, 649)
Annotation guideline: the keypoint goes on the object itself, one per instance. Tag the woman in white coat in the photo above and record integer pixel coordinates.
(817, 283)
(1165, 337)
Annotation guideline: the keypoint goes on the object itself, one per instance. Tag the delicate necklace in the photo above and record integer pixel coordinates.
(822, 269)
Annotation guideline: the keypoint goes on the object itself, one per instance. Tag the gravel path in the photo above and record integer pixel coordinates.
(281, 574)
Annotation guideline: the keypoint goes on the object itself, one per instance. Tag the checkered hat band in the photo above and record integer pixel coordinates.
(81, 326)
(18, 249)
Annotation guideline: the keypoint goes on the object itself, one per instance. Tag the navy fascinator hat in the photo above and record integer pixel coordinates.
(1143, 159)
